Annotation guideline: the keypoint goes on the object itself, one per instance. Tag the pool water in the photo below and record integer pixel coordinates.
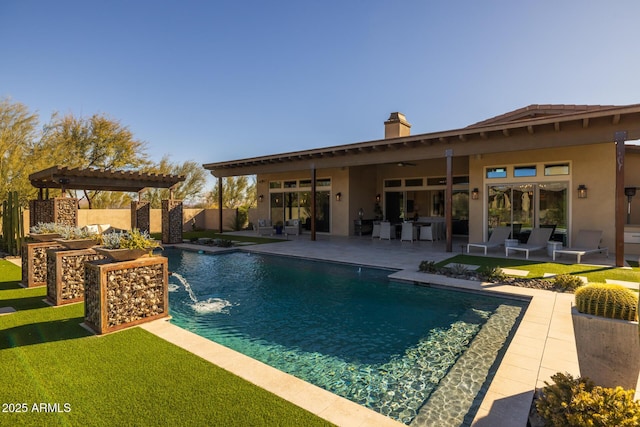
(390, 346)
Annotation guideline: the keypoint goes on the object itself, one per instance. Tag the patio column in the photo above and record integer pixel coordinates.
(620, 138)
(141, 215)
(448, 204)
(313, 203)
(171, 221)
(220, 203)
(61, 210)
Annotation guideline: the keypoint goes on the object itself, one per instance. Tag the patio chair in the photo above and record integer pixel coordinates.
(587, 242)
(375, 233)
(385, 230)
(537, 240)
(497, 238)
(426, 232)
(292, 227)
(408, 232)
(264, 227)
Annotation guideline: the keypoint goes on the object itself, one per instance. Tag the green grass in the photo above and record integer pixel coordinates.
(127, 378)
(536, 269)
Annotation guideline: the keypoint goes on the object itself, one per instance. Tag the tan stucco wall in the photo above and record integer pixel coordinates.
(592, 165)
(207, 219)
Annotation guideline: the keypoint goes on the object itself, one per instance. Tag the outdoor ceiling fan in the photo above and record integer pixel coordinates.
(402, 164)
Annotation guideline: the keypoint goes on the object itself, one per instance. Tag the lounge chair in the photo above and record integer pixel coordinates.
(587, 242)
(292, 227)
(497, 238)
(537, 240)
(375, 233)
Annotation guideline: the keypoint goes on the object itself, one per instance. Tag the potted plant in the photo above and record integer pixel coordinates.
(127, 245)
(45, 231)
(279, 227)
(77, 238)
(606, 331)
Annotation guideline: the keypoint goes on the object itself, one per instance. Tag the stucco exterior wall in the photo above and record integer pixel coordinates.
(207, 219)
(591, 165)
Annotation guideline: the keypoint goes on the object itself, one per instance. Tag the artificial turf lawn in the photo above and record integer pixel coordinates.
(536, 269)
(128, 378)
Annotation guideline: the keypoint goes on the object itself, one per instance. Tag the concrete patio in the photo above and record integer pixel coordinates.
(543, 344)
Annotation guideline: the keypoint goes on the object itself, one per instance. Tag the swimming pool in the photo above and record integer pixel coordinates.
(400, 349)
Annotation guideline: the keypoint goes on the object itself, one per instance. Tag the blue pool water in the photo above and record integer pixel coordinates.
(386, 345)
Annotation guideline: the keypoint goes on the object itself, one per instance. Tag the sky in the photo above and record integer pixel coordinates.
(213, 81)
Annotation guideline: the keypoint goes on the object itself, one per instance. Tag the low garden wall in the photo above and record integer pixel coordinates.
(65, 274)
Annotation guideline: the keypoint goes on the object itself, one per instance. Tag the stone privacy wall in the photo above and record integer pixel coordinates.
(123, 294)
(61, 210)
(34, 263)
(65, 274)
(141, 216)
(172, 221)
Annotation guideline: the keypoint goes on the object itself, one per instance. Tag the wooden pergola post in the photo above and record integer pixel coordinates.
(448, 204)
(220, 202)
(620, 138)
(313, 203)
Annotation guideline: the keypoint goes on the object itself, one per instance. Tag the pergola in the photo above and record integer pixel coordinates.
(66, 178)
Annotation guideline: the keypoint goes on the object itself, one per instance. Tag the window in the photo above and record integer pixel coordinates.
(497, 172)
(523, 171)
(413, 182)
(393, 183)
(557, 169)
(275, 184)
(290, 184)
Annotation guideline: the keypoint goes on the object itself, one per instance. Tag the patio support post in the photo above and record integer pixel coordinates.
(620, 138)
(220, 202)
(448, 206)
(313, 203)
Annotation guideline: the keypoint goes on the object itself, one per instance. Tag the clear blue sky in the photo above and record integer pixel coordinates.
(222, 80)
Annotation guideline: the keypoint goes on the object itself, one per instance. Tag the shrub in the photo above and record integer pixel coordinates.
(459, 269)
(607, 300)
(567, 282)
(578, 402)
(223, 243)
(428, 267)
(134, 239)
(492, 274)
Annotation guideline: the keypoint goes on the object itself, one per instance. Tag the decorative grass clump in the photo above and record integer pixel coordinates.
(607, 300)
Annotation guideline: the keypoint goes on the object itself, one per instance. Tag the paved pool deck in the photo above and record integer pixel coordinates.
(543, 344)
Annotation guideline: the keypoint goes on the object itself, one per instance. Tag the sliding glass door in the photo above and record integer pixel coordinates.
(525, 206)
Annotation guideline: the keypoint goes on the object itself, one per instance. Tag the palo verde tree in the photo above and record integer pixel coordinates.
(92, 142)
(188, 190)
(18, 138)
(237, 192)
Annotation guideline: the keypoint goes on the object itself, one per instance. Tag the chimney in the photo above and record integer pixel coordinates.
(396, 126)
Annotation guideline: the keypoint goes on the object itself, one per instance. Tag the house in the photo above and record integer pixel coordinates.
(542, 165)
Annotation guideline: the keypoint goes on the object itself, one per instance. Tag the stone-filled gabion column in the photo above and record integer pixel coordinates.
(61, 210)
(141, 216)
(123, 294)
(172, 221)
(34, 263)
(65, 274)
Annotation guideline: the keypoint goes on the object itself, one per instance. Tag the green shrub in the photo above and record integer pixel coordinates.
(567, 282)
(578, 402)
(607, 300)
(428, 267)
(492, 274)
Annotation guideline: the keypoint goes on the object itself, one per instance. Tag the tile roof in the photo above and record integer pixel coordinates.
(535, 111)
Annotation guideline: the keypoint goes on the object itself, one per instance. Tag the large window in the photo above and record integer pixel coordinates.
(292, 201)
(525, 206)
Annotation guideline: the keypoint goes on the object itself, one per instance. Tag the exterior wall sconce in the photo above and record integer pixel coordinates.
(475, 194)
(582, 191)
(377, 198)
(629, 192)
(338, 197)
(260, 198)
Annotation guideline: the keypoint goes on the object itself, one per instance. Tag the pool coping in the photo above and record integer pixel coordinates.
(542, 345)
